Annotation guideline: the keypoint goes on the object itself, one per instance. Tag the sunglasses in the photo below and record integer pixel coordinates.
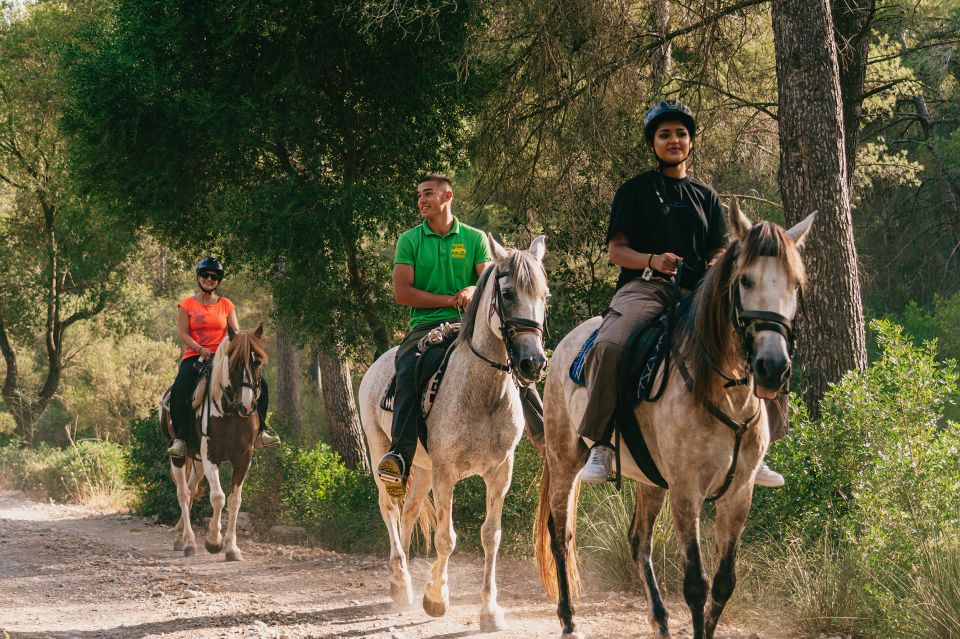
(212, 276)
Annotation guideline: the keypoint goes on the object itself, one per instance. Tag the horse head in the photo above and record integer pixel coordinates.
(246, 358)
(517, 306)
(766, 277)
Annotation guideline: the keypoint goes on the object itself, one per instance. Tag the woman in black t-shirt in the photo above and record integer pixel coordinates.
(658, 218)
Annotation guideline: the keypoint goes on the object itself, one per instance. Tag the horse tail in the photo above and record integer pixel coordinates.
(543, 551)
(427, 522)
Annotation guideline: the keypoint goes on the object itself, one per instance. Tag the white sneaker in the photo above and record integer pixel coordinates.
(178, 448)
(599, 467)
(768, 478)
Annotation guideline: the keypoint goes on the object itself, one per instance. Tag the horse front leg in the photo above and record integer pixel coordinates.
(497, 484)
(185, 539)
(732, 511)
(648, 506)
(214, 542)
(686, 520)
(240, 467)
(436, 597)
(418, 487)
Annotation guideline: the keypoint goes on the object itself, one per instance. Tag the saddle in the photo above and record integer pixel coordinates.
(434, 354)
(645, 356)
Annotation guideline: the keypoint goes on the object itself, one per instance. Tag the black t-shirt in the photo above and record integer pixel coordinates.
(689, 222)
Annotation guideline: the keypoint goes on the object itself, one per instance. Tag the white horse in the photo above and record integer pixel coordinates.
(474, 425)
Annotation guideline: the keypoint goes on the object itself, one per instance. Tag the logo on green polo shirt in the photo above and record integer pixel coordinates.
(458, 251)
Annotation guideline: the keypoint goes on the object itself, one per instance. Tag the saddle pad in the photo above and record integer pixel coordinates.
(429, 363)
(577, 369)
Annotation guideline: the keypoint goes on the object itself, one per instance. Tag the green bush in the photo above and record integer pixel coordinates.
(86, 472)
(312, 488)
(877, 479)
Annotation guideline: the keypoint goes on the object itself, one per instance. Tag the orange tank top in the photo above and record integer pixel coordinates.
(208, 324)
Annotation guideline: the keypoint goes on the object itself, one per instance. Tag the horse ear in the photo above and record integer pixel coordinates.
(740, 224)
(799, 231)
(539, 247)
(259, 332)
(230, 332)
(499, 253)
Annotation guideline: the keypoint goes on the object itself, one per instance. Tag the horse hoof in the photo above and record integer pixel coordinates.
(234, 555)
(573, 635)
(213, 548)
(434, 608)
(178, 545)
(189, 551)
(492, 621)
(402, 596)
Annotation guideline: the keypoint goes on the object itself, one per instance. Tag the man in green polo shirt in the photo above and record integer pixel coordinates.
(435, 273)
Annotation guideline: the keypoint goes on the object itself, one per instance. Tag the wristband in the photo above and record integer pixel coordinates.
(650, 261)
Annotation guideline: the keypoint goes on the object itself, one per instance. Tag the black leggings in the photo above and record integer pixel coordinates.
(181, 399)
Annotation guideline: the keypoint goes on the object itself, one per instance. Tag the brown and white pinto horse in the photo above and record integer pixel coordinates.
(227, 425)
(707, 441)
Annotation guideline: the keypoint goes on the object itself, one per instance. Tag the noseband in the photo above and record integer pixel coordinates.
(510, 327)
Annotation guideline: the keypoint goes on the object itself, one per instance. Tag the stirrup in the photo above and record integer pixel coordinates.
(177, 449)
(390, 470)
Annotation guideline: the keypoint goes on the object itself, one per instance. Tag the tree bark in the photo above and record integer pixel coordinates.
(851, 21)
(346, 436)
(813, 176)
(287, 404)
(663, 55)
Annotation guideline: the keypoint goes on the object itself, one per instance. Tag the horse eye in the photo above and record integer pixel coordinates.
(746, 282)
(509, 295)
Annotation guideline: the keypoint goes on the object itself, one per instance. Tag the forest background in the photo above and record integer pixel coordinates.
(286, 138)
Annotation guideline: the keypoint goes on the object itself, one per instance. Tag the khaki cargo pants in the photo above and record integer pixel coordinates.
(635, 304)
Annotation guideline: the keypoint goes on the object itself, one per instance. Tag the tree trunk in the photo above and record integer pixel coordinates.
(287, 404)
(813, 176)
(346, 437)
(662, 62)
(851, 21)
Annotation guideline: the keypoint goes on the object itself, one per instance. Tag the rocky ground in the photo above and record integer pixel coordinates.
(74, 572)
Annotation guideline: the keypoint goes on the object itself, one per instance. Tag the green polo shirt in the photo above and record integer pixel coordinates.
(443, 265)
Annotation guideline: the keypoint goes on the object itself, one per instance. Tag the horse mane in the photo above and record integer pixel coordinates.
(705, 331)
(528, 279)
(231, 354)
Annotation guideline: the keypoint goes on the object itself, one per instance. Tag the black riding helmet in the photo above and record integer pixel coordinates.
(208, 264)
(668, 110)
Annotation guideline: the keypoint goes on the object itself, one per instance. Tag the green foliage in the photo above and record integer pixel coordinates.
(86, 472)
(873, 492)
(116, 380)
(312, 488)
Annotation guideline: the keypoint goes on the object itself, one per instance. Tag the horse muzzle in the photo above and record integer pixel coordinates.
(531, 369)
(771, 369)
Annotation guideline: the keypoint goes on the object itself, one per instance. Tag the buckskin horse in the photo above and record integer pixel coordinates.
(474, 425)
(227, 425)
(706, 435)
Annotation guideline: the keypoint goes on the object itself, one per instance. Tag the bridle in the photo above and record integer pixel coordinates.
(748, 323)
(233, 402)
(510, 327)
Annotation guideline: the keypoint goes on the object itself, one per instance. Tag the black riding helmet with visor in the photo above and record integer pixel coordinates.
(668, 110)
(209, 266)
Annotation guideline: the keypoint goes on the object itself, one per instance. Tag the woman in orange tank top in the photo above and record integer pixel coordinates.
(202, 325)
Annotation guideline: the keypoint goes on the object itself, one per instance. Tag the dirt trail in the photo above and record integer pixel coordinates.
(70, 572)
